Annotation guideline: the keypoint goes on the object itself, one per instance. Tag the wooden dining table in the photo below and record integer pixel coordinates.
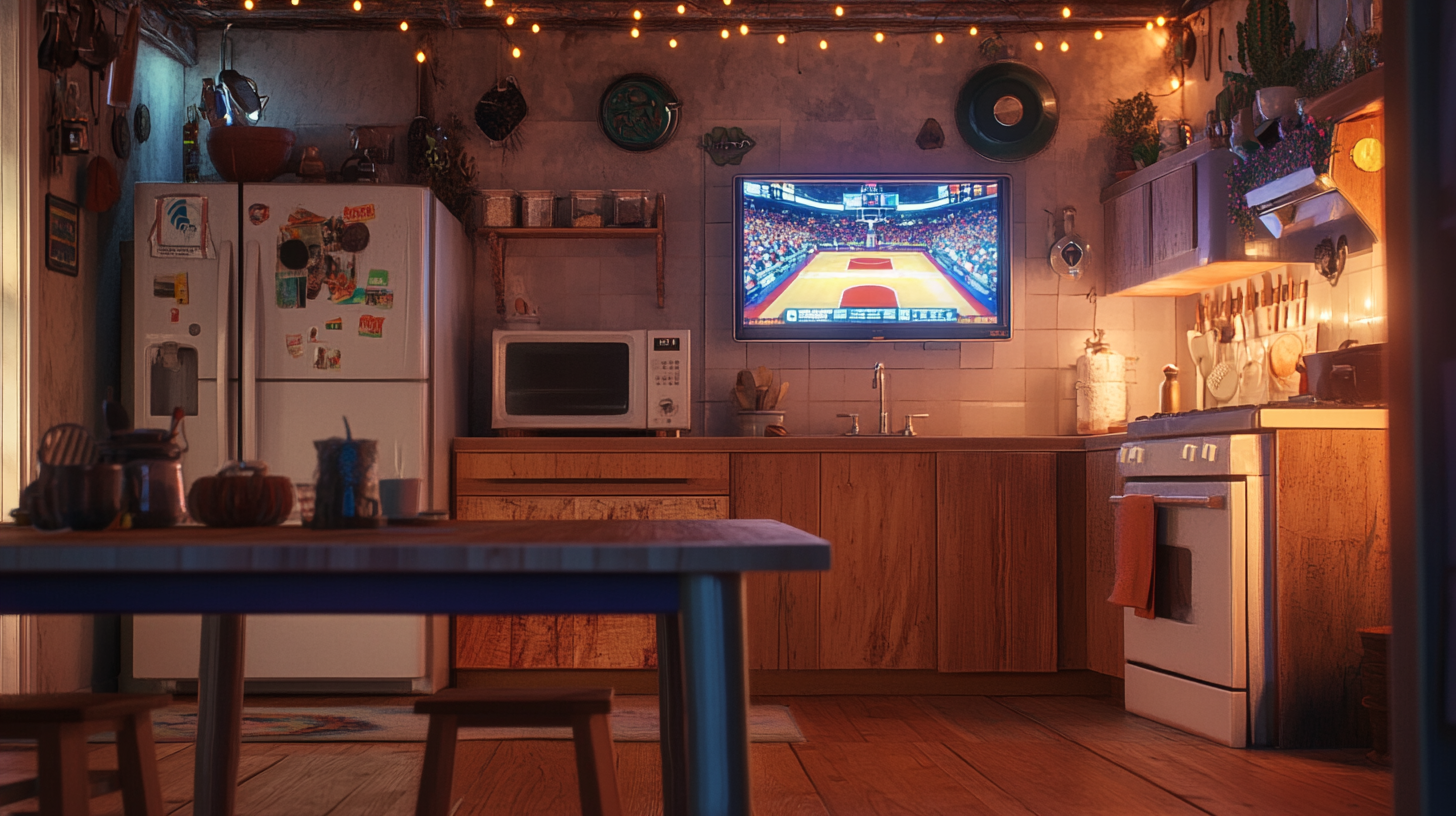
(688, 573)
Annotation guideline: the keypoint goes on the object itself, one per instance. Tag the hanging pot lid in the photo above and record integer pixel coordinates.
(639, 112)
(1007, 111)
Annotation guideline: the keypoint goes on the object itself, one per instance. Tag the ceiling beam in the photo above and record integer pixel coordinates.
(661, 15)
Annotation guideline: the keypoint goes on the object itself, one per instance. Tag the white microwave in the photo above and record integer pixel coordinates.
(599, 380)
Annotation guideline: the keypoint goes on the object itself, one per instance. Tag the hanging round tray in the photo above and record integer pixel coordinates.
(1007, 112)
(639, 113)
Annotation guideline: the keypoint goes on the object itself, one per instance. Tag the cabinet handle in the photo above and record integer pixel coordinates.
(1210, 502)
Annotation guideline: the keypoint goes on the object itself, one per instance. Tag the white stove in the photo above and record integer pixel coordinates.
(1246, 418)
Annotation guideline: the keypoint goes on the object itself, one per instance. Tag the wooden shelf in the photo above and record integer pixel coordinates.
(496, 238)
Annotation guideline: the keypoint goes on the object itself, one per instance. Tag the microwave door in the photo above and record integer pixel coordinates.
(568, 379)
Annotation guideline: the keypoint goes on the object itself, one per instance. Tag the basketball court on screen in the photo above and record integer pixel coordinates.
(869, 279)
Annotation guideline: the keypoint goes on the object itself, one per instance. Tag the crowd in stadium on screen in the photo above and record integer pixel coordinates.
(968, 239)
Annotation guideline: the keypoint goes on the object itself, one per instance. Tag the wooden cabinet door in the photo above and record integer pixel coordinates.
(997, 548)
(1173, 207)
(1125, 228)
(568, 641)
(877, 602)
(783, 607)
(1104, 621)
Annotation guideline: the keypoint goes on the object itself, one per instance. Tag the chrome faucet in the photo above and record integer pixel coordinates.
(879, 382)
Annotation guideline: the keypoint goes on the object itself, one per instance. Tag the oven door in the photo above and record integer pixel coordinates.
(1200, 588)
(569, 380)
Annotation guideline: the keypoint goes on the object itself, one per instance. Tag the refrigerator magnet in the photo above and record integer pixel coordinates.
(334, 324)
(313, 334)
(355, 238)
(363, 212)
(180, 230)
(294, 342)
(327, 359)
(379, 298)
(378, 279)
(371, 326)
(257, 214)
(291, 292)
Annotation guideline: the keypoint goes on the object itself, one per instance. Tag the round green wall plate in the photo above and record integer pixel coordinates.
(1007, 112)
(639, 113)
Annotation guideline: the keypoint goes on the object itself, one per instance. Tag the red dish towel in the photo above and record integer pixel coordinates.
(1134, 543)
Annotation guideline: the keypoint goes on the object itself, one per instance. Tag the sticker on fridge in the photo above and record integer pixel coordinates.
(171, 287)
(257, 214)
(180, 230)
(291, 292)
(313, 334)
(334, 324)
(294, 342)
(339, 277)
(379, 298)
(327, 359)
(363, 212)
(371, 326)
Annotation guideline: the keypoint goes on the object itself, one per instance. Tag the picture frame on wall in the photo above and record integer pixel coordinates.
(63, 236)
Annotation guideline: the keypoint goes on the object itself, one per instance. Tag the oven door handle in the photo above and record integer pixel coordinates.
(1210, 502)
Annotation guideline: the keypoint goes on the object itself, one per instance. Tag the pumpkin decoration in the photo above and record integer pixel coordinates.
(242, 494)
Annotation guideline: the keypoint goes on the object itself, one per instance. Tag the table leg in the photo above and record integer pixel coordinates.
(670, 712)
(219, 716)
(715, 668)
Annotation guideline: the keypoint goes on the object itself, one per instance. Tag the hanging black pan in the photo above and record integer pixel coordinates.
(1007, 112)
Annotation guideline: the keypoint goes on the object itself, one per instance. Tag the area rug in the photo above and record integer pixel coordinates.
(634, 719)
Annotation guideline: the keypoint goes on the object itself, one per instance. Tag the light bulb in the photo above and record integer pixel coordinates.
(727, 2)
(1150, 25)
(1097, 35)
(248, 4)
(879, 36)
(672, 43)
(535, 28)
(358, 5)
(1174, 83)
(636, 14)
(681, 9)
(636, 33)
(404, 25)
(783, 39)
(743, 29)
(823, 45)
(724, 34)
(1066, 12)
(1161, 20)
(975, 31)
(516, 52)
(489, 3)
(1038, 45)
(510, 19)
(839, 11)
(419, 56)
(295, 2)
(939, 38)
(1065, 48)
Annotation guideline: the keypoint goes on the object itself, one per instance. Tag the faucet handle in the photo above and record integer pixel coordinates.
(909, 426)
(853, 424)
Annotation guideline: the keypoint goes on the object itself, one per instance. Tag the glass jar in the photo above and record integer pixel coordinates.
(537, 208)
(497, 208)
(629, 208)
(588, 208)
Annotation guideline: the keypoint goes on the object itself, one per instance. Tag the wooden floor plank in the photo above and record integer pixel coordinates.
(973, 780)
(894, 779)
(893, 719)
(821, 719)
(523, 778)
(1218, 779)
(391, 788)
(1050, 775)
(781, 787)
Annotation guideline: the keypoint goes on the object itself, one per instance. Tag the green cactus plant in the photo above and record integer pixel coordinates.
(1267, 51)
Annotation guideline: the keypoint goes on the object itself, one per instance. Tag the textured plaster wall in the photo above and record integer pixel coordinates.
(75, 331)
(853, 108)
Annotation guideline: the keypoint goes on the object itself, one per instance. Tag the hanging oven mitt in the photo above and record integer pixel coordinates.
(500, 110)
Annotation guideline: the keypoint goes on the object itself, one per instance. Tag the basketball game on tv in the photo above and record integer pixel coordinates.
(878, 258)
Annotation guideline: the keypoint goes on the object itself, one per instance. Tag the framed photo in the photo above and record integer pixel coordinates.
(63, 236)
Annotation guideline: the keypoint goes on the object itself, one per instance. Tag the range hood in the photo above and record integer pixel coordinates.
(1350, 197)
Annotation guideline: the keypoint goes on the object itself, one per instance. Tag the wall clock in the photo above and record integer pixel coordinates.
(639, 113)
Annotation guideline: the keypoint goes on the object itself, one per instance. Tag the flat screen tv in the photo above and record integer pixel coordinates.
(857, 258)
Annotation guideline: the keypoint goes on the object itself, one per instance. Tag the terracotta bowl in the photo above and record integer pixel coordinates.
(242, 153)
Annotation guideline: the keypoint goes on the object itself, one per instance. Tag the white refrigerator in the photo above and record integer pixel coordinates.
(270, 312)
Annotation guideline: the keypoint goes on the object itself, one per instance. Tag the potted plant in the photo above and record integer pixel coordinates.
(1273, 64)
(1131, 124)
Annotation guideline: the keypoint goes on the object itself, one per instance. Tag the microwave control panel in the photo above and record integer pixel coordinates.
(669, 379)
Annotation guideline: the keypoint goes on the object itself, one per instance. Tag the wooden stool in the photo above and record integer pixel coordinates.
(60, 723)
(586, 710)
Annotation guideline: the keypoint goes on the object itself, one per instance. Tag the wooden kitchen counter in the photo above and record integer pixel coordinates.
(867, 443)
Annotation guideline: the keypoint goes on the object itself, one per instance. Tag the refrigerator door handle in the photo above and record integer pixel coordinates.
(247, 377)
(225, 260)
